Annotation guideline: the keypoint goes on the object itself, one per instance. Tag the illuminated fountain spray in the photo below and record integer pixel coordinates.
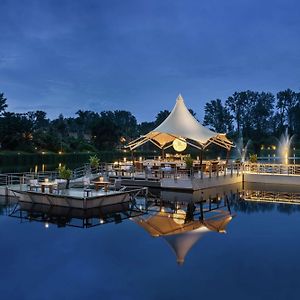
(284, 146)
(241, 149)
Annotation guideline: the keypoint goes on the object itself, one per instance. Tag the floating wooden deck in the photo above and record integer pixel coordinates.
(75, 198)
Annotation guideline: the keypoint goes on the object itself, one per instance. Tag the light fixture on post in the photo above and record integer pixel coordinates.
(179, 145)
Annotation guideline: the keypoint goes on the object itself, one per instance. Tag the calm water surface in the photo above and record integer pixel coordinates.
(258, 258)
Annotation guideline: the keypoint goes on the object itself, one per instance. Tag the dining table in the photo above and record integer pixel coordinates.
(101, 183)
(49, 185)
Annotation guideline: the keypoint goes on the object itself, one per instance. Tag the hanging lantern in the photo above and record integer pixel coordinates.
(179, 145)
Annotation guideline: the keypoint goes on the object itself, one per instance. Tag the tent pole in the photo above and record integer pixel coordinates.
(132, 158)
(227, 155)
(162, 153)
(201, 160)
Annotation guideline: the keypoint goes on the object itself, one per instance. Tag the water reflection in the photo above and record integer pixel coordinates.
(72, 217)
(180, 222)
(182, 234)
(180, 219)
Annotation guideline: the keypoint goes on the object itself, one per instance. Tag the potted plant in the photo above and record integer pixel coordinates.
(189, 164)
(253, 158)
(94, 161)
(65, 173)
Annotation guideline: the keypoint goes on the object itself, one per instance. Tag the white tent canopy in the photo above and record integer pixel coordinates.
(181, 124)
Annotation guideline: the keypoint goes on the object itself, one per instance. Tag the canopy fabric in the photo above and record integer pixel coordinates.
(181, 124)
(182, 237)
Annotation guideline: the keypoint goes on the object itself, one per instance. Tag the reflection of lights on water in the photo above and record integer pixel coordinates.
(179, 217)
(46, 225)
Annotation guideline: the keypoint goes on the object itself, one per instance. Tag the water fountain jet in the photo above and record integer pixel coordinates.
(241, 149)
(284, 145)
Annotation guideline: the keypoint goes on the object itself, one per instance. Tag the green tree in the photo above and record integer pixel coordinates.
(145, 127)
(260, 114)
(15, 131)
(3, 104)
(161, 116)
(286, 102)
(105, 133)
(217, 116)
(237, 104)
(126, 122)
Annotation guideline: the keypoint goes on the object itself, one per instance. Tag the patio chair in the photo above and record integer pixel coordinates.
(33, 184)
(60, 185)
(116, 186)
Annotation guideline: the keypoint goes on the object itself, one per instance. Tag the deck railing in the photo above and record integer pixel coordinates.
(157, 173)
(271, 169)
(175, 172)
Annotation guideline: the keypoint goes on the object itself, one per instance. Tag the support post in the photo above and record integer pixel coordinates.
(201, 210)
(227, 155)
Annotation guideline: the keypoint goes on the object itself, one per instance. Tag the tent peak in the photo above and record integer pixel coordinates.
(179, 98)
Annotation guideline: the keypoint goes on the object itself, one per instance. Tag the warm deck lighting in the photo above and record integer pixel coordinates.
(179, 217)
(179, 145)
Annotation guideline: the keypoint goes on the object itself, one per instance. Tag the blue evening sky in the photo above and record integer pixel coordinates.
(61, 56)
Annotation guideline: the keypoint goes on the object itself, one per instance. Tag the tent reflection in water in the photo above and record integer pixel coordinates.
(181, 128)
(179, 235)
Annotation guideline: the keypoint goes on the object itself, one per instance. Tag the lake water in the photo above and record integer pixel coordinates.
(257, 257)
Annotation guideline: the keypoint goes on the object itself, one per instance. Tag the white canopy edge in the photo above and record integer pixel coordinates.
(181, 124)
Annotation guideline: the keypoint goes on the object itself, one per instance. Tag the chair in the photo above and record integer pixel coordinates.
(33, 184)
(60, 185)
(117, 185)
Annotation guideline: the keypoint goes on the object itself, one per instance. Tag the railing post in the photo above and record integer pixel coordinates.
(210, 170)
(231, 169)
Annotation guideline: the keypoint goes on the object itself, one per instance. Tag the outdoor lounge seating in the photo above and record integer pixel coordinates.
(33, 184)
(60, 185)
(116, 186)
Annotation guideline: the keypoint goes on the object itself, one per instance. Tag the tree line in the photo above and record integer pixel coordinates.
(258, 116)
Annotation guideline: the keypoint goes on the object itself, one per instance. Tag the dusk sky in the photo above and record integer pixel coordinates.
(62, 56)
